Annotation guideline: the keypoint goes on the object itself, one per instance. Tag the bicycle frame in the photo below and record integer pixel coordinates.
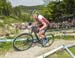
(35, 34)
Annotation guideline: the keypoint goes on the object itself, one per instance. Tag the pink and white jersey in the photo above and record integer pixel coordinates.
(42, 19)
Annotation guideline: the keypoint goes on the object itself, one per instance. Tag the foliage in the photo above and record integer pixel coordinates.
(5, 8)
(56, 10)
(4, 47)
(53, 11)
(69, 6)
(45, 11)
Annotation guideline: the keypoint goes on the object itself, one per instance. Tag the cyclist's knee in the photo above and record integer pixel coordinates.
(40, 35)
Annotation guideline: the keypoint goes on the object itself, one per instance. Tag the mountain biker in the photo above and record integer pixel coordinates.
(42, 23)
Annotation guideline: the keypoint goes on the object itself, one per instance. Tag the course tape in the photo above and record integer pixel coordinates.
(10, 40)
(6, 40)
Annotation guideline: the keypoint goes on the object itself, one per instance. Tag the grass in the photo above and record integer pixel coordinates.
(65, 37)
(73, 50)
(62, 54)
(5, 47)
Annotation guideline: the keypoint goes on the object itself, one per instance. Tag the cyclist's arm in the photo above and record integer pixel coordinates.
(34, 23)
(44, 26)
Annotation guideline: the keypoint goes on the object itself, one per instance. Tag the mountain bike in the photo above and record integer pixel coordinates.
(25, 40)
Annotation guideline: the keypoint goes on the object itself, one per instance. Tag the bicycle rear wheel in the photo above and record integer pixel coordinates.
(23, 42)
(50, 39)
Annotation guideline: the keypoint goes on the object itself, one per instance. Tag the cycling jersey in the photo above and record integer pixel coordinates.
(42, 19)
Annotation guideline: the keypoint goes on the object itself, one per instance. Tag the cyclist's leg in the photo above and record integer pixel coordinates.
(42, 36)
(41, 33)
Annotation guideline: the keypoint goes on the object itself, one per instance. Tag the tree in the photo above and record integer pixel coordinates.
(17, 11)
(5, 7)
(69, 6)
(55, 10)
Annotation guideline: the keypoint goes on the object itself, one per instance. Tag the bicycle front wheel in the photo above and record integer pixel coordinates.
(23, 42)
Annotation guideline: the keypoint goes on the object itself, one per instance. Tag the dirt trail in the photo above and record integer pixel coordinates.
(37, 50)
